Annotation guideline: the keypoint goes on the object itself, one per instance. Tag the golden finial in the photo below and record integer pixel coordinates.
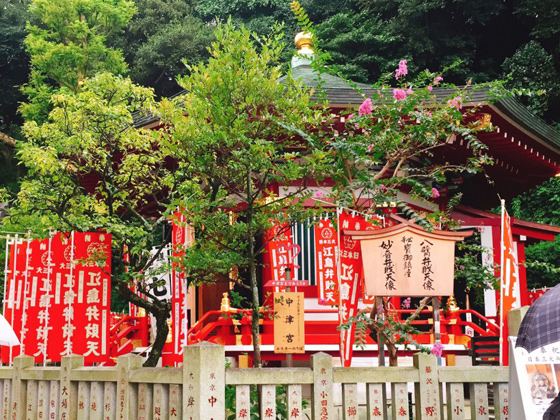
(304, 43)
(226, 306)
(169, 338)
(452, 304)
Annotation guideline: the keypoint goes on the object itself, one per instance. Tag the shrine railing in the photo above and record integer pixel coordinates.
(204, 389)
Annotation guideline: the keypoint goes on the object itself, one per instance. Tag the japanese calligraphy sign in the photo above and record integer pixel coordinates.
(289, 328)
(405, 260)
(325, 262)
(351, 275)
(279, 253)
(59, 290)
(183, 237)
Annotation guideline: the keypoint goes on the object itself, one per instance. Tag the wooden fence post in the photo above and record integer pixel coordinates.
(427, 389)
(204, 381)
(69, 390)
(323, 408)
(19, 391)
(127, 397)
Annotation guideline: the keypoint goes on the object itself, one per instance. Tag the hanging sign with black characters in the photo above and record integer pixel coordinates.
(406, 260)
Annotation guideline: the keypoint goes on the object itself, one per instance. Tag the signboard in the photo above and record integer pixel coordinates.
(279, 252)
(405, 260)
(289, 327)
(325, 262)
(534, 380)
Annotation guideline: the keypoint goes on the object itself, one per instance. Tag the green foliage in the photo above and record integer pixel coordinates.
(541, 204)
(158, 37)
(232, 149)
(66, 43)
(89, 169)
(542, 264)
(468, 267)
(14, 62)
(532, 68)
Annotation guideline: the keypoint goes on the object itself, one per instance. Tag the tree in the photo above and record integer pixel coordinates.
(391, 144)
(541, 257)
(541, 81)
(158, 38)
(227, 132)
(66, 45)
(89, 169)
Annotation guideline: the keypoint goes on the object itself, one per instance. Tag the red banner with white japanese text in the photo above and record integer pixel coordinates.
(60, 290)
(278, 254)
(325, 262)
(509, 290)
(351, 278)
(183, 237)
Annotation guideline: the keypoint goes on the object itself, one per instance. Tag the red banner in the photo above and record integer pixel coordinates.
(325, 262)
(278, 254)
(64, 303)
(183, 237)
(351, 278)
(510, 296)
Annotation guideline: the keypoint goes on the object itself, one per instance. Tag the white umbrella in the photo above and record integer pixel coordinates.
(7, 335)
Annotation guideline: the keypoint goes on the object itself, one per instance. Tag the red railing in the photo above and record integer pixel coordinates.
(235, 328)
(126, 332)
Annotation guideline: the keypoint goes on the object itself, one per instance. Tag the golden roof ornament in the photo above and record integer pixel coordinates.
(304, 43)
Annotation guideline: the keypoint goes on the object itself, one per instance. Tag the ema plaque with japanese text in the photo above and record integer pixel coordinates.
(406, 260)
(289, 328)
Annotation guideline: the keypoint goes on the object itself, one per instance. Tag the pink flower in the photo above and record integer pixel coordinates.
(409, 91)
(322, 301)
(350, 117)
(430, 88)
(365, 107)
(319, 194)
(456, 102)
(402, 70)
(370, 147)
(437, 80)
(437, 350)
(406, 303)
(383, 187)
(435, 193)
(399, 94)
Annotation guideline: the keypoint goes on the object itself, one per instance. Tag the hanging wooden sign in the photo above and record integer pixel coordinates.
(406, 260)
(289, 327)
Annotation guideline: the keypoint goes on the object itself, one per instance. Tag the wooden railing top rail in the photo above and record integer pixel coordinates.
(157, 376)
(269, 376)
(473, 374)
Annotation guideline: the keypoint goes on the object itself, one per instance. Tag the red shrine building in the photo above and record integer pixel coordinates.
(526, 152)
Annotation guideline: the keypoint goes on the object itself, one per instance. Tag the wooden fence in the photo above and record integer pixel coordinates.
(199, 390)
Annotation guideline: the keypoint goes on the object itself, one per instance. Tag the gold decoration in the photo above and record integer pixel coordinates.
(226, 306)
(169, 338)
(303, 41)
(452, 304)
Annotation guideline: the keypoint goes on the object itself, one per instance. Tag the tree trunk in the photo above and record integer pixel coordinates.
(162, 330)
(253, 274)
(393, 354)
(160, 311)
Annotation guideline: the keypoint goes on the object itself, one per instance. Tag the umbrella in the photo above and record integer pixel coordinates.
(7, 335)
(541, 324)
